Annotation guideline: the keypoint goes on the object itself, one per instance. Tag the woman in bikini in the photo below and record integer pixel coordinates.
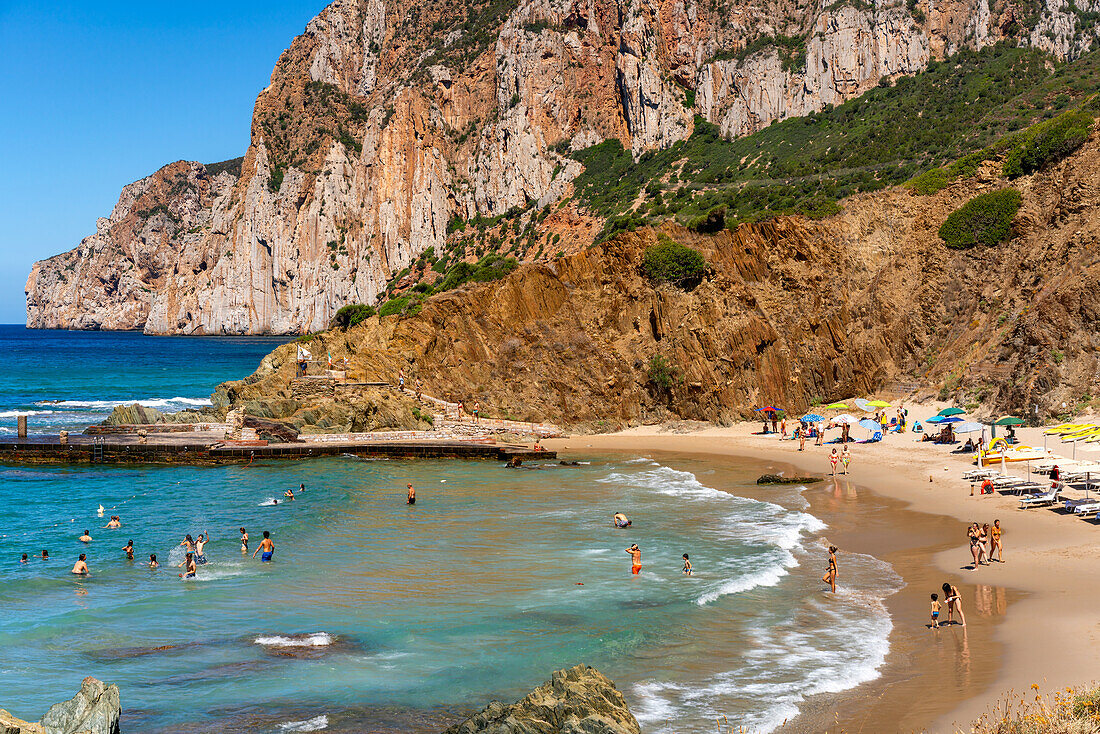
(834, 457)
(244, 541)
(995, 541)
(188, 567)
(972, 533)
(983, 544)
(954, 603)
(831, 574)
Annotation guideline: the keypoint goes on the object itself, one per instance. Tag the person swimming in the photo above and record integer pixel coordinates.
(266, 549)
(188, 566)
(45, 555)
(688, 571)
(621, 520)
(153, 561)
(114, 524)
(80, 568)
(302, 488)
(23, 559)
(635, 558)
(289, 494)
(85, 538)
(411, 500)
(244, 541)
(129, 549)
(200, 544)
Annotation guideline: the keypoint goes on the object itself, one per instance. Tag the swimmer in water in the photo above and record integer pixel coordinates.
(289, 494)
(412, 496)
(635, 558)
(23, 559)
(302, 488)
(188, 567)
(266, 549)
(129, 548)
(188, 544)
(85, 538)
(274, 502)
(688, 571)
(45, 555)
(80, 568)
(244, 541)
(200, 557)
(153, 561)
(621, 520)
(114, 524)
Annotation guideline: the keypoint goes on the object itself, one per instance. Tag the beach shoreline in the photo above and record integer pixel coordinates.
(1045, 639)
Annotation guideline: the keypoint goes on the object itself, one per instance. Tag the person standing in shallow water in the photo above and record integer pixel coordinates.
(244, 541)
(845, 457)
(266, 549)
(411, 498)
(635, 558)
(80, 568)
(831, 574)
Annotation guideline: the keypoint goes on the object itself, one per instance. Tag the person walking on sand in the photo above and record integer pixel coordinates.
(244, 541)
(801, 431)
(954, 603)
(411, 498)
(266, 549)
(972, 532)
(845, 457)
(983, 543)
(783, 427)
(85, 538)
(820, 434)
(834, 457)
(635, 558)
(831, 574)
(80, 568)
(995, 534)
(935, 611)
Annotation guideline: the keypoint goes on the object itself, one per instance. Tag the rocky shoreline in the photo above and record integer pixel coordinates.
(95, 709)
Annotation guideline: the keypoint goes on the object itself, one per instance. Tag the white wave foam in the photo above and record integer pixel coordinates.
(315, 639)
(269, 502)
(17, 413)
(317, 723)
(176, 402)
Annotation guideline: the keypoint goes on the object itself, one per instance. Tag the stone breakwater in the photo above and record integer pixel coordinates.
(95, 709)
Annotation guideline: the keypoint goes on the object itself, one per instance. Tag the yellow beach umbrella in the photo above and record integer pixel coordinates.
(836, 406)
(879, 404)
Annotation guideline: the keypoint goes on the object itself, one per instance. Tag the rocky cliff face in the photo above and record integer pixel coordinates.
(796, 310)
(383, 121)
(95, 709)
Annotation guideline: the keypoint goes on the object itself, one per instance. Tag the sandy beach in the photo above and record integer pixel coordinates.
(1030, 620)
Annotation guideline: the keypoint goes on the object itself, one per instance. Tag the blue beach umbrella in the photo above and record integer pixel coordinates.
(871, 424)
(812, 418)
(950, 419)
(937, 419)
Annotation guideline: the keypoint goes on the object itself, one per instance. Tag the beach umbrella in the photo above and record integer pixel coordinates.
(1008, 420)
(879, 404)
(951, 411)
(937, 419)
(812, 418)
(949, 419)
(871, 424)
(836, 406)
(845, 418)
(968, 427)
(863, 405)
(772, 408)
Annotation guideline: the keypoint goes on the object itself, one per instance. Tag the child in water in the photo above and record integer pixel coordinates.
(153, 561)
(687, 566)
(935, 611)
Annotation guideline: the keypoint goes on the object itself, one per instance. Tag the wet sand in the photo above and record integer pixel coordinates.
(1029, 620)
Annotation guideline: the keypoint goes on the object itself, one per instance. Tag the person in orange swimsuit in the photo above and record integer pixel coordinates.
(995, 542)
(635, 558)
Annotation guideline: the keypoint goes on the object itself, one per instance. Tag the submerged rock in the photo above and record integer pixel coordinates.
(777, 479)
(95, 709)
(580, 700)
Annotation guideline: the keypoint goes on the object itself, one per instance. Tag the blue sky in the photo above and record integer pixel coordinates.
(99, 94)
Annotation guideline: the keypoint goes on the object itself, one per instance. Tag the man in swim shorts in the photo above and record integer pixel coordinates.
(412, 496)
(635, 558)
(266, 549)
(621, 520)
(85, 538)
(80, 568)
(200, 544)
(188, 565)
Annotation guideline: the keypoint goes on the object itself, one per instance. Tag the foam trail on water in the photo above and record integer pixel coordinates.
(317, 723)
(315, 639)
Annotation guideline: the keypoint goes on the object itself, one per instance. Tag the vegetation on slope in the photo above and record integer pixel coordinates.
(804, 165)
(1070, 711)
(984, 220)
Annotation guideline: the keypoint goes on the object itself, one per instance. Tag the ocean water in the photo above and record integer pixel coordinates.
(68, 379)
(378, 616)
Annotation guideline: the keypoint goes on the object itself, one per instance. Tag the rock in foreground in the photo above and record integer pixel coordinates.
(580, 700)
(95, 709)
(778, 479)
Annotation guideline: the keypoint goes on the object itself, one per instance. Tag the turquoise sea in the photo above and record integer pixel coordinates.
(378, 616)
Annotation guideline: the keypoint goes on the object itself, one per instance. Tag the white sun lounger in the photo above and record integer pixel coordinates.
(1087, 508)
(1038, 500)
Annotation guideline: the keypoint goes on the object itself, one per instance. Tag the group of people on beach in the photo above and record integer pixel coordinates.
(622, 521)
(985, 540)
(953, 603)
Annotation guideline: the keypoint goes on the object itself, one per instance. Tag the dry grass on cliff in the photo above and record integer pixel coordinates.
(1068, 711)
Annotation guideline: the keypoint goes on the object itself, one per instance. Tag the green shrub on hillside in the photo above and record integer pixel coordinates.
(352, 315)
(1046, 142)
(711, 222)
(490, 267)
(931, 181)
(662, 374)
(671, 262)
(986, 220)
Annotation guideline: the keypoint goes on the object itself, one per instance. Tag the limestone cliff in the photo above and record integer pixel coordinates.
(796, 310)
(384, 121)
